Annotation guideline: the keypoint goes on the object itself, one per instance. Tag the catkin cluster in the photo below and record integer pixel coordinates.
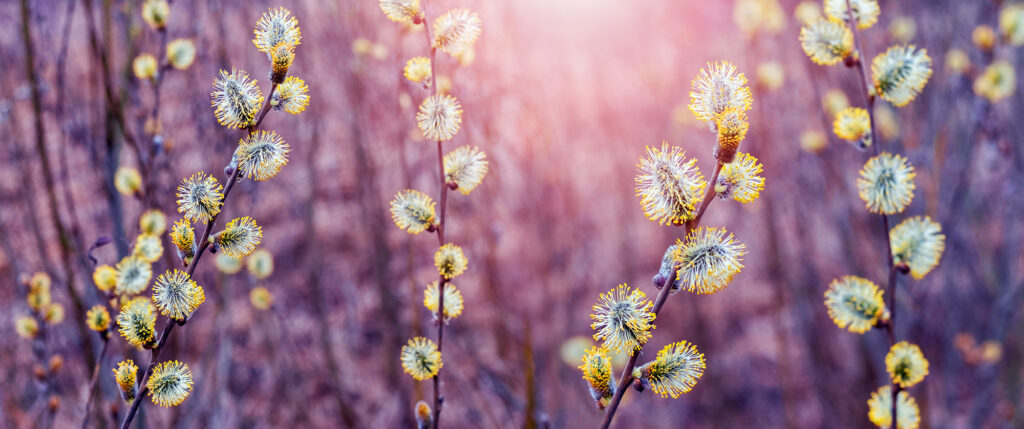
(704, 260)
(260, 155)
(886, 186)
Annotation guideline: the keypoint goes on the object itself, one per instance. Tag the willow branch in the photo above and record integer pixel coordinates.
(438, 399)
(869, 100)
(203, 246)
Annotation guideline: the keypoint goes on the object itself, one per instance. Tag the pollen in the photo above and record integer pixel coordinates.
(865, 12)
(148, 248)
(261, 155)
(439, 117)
(717, 88)
(421, 359)
(413, 211)
(450, 261)
(452, 300)
(906, 364)
(276, 26)
(826, 42)
(176, 295)
(235, 99)
(739, 180)
(900, 73)
(465, 167)
(623, 319)
(292, 96)
(597, 372)
(886, 184)
(137, 322)
(239, 237)
(675, 371)
(854, 303)
(417, 69)
(456, 31)
(133, 275)
(880, 409)
(919, 243)
(669, 185)
(200, 197)
(170, 383)
(125, 375)
(708, 259)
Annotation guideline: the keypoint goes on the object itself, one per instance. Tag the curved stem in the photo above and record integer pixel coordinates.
(95, 377)
(709, 195)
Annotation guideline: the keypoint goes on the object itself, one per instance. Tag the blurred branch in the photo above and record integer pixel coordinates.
(40, 137)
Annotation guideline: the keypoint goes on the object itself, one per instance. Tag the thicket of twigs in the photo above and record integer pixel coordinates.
(563, 96)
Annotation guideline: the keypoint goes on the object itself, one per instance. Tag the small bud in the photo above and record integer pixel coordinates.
(155, 13)
(39, 371)
(668, 263)
(424, 417)
(281, 57)
(638, 385)
(658, 280)
(158, 144)
(884, 318)
(54, 403)
(902, 268)
(56, 362)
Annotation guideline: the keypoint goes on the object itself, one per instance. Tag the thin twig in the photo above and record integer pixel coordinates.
(438, 399)
(95, 376)
(869, 97)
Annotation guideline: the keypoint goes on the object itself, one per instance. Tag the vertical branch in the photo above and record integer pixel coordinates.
(869, 99)
(438, 399)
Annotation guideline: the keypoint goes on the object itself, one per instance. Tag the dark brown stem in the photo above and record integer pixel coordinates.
(438, 399)
(709, 195)
(869, 97)
(95, 376)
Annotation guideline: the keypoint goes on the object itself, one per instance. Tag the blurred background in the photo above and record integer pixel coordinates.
(563, 97)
